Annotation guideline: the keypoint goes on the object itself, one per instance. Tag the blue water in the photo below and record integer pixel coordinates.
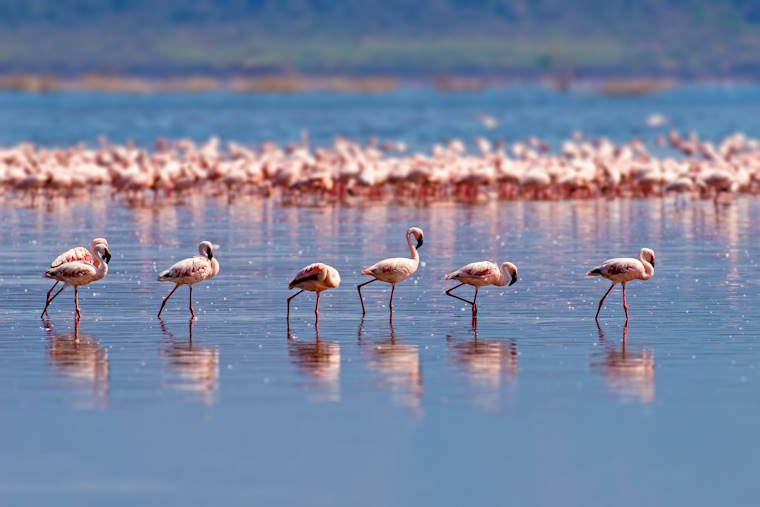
(418, 116)
(531, 405)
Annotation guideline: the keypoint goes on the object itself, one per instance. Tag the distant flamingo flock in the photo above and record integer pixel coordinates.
(582, 168)
(79, 266)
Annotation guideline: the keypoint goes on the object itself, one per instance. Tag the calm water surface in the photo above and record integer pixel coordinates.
(534, 405)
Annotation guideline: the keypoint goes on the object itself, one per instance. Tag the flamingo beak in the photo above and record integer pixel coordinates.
(419, 242)
(652, 263)
(107, 256)
(514, 279)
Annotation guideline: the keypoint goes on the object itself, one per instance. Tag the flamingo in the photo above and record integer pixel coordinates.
(77, 273)
(396, 269)
(314, 278)
(479, 274)
(624, 270)
(189, 271)
(78, 253)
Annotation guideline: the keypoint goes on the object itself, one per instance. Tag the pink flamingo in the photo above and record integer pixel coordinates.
(189, 271)
(396, 269)
(624, 270)
(77, 273)
(78, 253)
(314, 278)
(479, 274)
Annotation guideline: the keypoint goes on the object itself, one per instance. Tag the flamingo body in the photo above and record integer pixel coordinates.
(78, 253)
(77, 273)
(479, 274)
(396, 269)
(190, 271)
(314, 278)
(624, 270)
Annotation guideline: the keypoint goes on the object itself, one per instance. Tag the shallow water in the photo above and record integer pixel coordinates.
(534, 406)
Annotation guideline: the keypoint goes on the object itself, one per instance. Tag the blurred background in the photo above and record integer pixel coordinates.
(288, 45)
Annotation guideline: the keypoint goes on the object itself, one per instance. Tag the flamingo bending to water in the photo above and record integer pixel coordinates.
(314, 278)
(77, 273)
(624, 270)
(479, 274)
(394, 270)
(78, 253)
(189, 271)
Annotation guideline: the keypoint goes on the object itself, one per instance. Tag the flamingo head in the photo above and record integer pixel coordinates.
(417, 233)
(96, 242)
(512, 270)
(206, 249)
(102, 251)
(648, 255)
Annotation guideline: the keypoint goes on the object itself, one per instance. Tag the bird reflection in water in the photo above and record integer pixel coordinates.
(320, 362)
(196, 368)
(629, 374)
(81, 359)
(488, 364)
(398, 365)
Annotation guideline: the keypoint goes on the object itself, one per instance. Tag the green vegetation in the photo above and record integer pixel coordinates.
(405, 37)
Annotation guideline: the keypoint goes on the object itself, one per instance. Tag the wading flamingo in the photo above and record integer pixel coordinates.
(78, 253)
(624, 270)
(396, 269)
(479, 274)
(189, 271)
(78, 273)
(314, 278)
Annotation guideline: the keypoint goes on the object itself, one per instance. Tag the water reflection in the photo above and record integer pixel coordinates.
(196, 369)
(319, 361)
(629, 374)
(488, 364)
(81, 359)
(398, 365)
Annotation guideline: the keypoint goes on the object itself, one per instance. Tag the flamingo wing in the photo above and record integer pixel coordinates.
(616, 267)
(79, 253)
(71, 271)
(475, 270)
(193, 268)
(312, 272)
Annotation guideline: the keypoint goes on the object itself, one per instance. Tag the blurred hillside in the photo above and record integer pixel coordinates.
(686, 38)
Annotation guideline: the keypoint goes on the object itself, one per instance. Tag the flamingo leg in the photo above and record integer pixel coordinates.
(291, 297)
(316, 308)
(625, 304)
(393, 289)
(166, 299)
(359, 288)
(448, 293)
(50, 299)
(474, 304)
(76, 301)
(51, 290)
(191, 302)
(599, 308)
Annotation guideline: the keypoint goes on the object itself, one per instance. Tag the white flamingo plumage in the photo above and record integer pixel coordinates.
(624, 270)
(314, 278)
(394, 270)
(78, 253)
(479, 274)
(78, 273)
(189, 271)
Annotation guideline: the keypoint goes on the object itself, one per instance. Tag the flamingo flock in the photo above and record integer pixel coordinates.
(581, 168)
(78, 266)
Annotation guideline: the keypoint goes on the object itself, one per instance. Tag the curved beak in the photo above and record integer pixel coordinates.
(419, 242)
(514, 279)
(652, 263)
(107, 256)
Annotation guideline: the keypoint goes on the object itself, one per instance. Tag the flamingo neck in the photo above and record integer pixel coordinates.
(101, 265)
(412, 250)
(503, 277)
(648, 268)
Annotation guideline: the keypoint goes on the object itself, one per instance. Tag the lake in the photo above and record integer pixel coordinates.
(532, 404)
